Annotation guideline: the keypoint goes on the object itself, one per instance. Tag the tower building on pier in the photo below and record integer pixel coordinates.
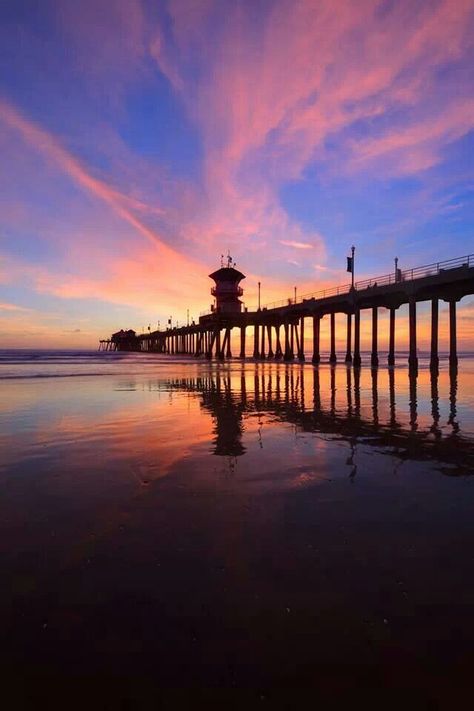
(227, 290)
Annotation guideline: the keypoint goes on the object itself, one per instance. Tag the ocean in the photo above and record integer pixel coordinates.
(174, 528)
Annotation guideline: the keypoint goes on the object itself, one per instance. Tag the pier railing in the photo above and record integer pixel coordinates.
(384, 280)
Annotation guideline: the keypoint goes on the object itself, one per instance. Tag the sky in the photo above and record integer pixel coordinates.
(142, 139)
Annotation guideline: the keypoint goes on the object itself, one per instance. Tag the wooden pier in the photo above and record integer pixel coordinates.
(279, 328)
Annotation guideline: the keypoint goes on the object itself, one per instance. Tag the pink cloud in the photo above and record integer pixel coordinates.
(43, 142)
(163, 262)
(417, 147)
(269, 94)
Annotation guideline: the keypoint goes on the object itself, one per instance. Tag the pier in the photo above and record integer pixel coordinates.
(279, 327)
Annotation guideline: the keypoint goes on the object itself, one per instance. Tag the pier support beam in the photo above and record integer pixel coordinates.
(413, 357)
(269, 338)
(453, 354)
(348, 358)
(357, 361)
(297, 340)
(242, 341)
(228, 353)
(301, 343)
(332, 357)
(287, 355)
(211, 336)
(316, 335)
(262, 349)
(278, 351)
(374, 358)
(391, 338)
(219, 349)
(255, 341)
(434, 358)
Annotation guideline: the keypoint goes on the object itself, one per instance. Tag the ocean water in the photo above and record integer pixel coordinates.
(173, 525)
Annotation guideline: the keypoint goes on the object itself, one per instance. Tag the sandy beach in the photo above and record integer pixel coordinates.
(173, 527)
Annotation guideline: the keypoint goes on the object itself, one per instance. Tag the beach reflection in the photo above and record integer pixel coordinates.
(151, 424)
(361, 409)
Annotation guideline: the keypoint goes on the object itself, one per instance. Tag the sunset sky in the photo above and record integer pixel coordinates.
(139, 140)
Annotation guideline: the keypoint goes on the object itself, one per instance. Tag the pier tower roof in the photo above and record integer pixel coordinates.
(227, 274)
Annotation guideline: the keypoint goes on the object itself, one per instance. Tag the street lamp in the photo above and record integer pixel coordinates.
(259, 296)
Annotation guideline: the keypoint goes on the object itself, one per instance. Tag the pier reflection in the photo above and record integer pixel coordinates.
(382, 408)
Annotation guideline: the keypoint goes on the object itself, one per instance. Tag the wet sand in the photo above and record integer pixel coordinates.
(237, 533)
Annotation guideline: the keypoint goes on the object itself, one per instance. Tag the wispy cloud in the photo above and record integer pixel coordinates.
(296, 245)
(13, 308)
(43, 142)
(328, 270)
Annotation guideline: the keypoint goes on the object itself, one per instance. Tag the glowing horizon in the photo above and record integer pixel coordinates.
(141, 140)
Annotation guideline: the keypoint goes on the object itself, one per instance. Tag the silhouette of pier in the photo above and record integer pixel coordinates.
(279, 327)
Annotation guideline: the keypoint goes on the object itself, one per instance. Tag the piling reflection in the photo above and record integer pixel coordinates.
(320, 401)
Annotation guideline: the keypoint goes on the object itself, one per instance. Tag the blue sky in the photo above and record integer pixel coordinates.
(140, 140)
